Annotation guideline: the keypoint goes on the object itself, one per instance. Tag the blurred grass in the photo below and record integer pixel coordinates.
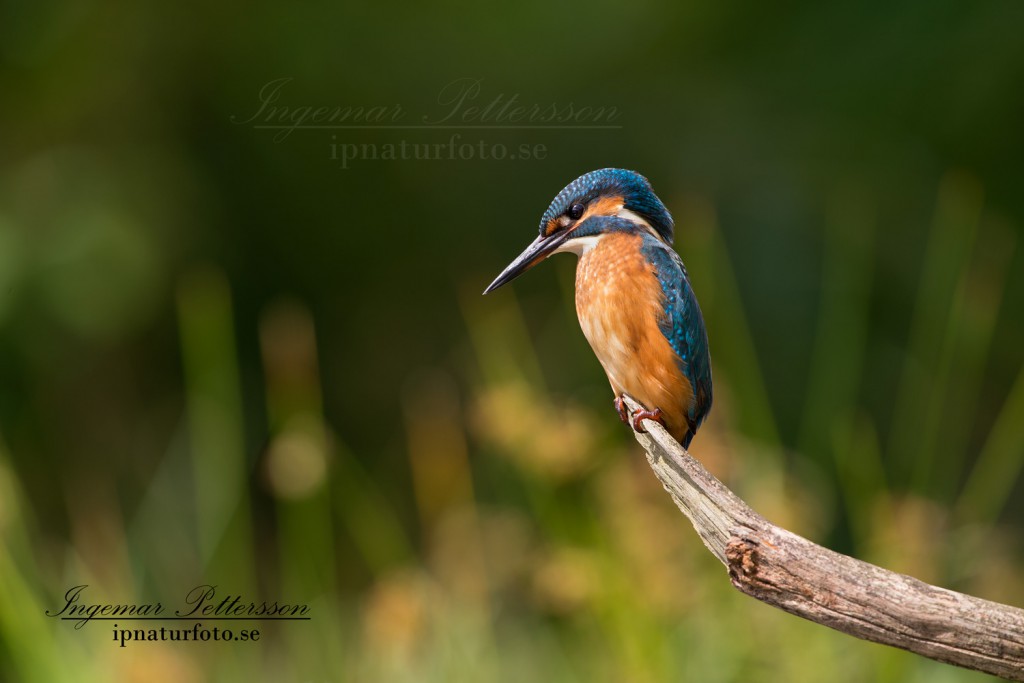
(220, 470)
(542, 546)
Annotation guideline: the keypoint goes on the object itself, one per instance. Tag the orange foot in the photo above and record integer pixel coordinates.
(621, 409)
(641, 415)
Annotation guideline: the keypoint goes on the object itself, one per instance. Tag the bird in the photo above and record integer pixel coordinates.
(634, 300)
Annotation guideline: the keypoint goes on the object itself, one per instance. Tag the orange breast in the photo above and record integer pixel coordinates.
(618, 301)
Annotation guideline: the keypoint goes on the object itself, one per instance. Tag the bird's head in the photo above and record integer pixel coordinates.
(610, 199)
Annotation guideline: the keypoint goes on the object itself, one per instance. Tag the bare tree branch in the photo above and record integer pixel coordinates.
(803, 578)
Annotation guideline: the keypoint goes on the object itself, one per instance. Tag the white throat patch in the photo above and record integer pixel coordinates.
(579, 245)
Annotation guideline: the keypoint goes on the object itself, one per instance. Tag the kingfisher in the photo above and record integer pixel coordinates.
(633, 296)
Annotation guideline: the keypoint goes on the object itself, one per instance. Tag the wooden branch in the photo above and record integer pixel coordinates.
(803, 578)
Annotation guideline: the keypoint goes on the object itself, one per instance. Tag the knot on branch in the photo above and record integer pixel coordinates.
(743, 559)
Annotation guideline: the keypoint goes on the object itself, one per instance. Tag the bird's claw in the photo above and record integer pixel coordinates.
(642, 414)
(621, 409)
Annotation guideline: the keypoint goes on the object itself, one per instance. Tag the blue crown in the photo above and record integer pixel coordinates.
(637, 194)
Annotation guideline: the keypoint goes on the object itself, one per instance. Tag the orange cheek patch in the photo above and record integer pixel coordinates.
(605, 206)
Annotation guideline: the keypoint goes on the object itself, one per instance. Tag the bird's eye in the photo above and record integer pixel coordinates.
(575, 211)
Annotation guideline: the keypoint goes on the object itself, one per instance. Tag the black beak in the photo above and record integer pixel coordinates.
(539, 249)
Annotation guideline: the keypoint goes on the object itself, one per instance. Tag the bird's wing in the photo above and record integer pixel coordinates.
(683, 326)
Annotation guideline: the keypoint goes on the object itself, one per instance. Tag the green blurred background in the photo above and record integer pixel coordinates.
(226, 359)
